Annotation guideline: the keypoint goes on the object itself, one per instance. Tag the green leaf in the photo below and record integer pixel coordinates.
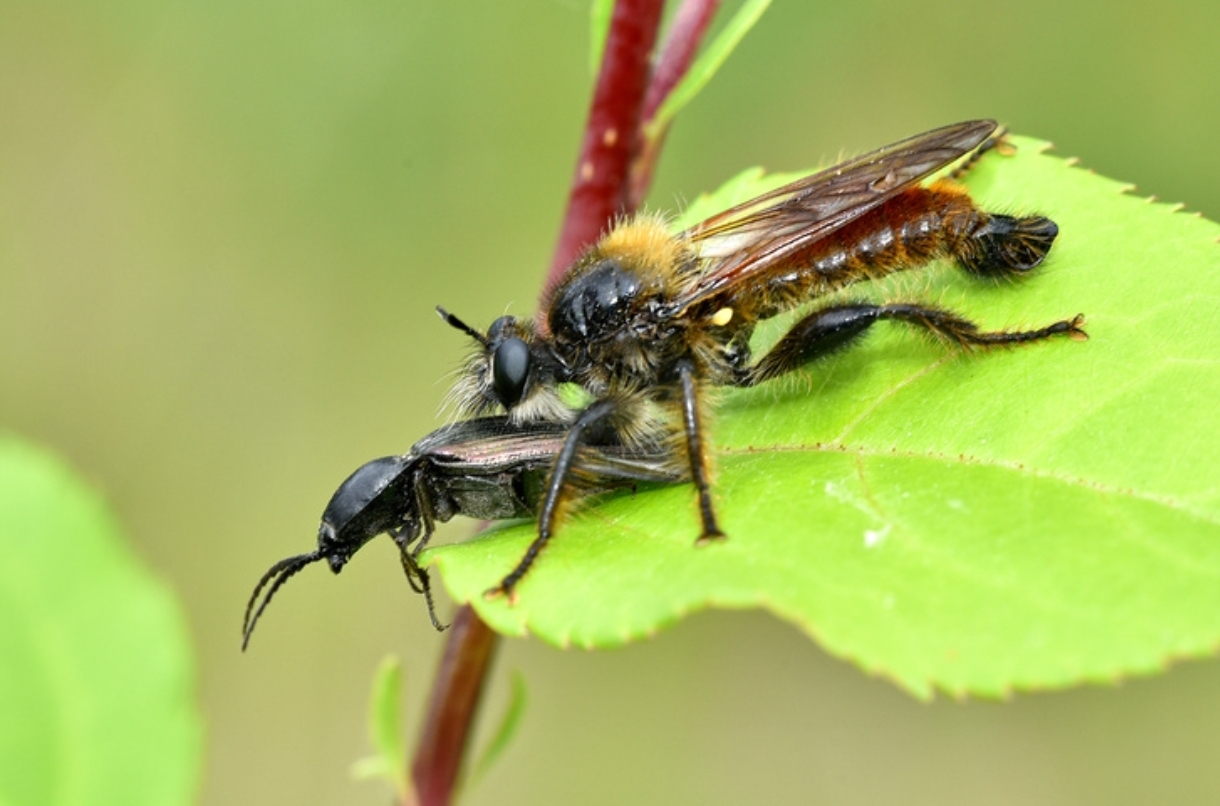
(706, 65)
(1026, 518)
(96, 680)
(504, 731)
(386, 731)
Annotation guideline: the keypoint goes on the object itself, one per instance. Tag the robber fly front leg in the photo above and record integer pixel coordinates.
(558, 490)
(697, 450)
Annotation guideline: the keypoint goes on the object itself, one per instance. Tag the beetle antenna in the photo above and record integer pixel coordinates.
(277, 575)
(453, 321)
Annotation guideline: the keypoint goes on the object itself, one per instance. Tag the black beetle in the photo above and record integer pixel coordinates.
(487, 468)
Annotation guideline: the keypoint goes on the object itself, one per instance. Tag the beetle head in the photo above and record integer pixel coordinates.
(378, 497)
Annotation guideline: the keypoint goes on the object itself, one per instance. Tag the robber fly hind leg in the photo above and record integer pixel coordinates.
(830, 330)
(998, 141)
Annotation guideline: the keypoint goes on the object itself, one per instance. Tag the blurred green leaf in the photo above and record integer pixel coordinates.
(96, 680)
(600, 12)
(505, 731)
(709, 61)
(1037, 517)
(386, 730)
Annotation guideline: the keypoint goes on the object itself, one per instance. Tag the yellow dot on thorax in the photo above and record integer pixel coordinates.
(722, 317)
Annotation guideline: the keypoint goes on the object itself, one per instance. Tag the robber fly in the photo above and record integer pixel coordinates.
(645, 320)
(488, 468)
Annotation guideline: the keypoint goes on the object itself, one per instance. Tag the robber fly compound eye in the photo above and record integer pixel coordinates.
(510, 369)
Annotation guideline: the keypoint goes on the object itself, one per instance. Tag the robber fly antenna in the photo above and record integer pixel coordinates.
(453, 321)
(277, 575)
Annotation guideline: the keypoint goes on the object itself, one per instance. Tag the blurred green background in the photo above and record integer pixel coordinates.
(224, 226)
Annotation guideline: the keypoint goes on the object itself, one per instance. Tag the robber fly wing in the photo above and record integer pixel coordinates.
(744, 242)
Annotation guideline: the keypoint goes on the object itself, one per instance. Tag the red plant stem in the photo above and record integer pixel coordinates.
(456, 693)
(600, 185)
(600, 191)
(686, 33)
(681, 44)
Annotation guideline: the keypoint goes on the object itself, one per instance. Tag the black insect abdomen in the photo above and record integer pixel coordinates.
(595, 303)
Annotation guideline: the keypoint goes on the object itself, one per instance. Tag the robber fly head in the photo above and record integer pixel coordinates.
(512, 370)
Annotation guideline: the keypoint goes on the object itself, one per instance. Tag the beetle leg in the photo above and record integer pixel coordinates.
(418, 532)
(417, 577)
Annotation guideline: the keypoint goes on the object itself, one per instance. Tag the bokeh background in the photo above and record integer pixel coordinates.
(224, 226)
